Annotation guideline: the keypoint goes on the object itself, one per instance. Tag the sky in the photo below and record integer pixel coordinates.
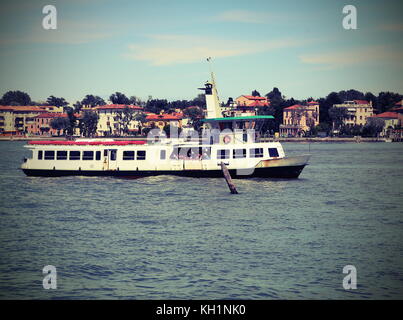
(159, 48)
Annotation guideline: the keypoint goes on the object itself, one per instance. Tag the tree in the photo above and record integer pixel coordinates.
(156, 105)
(350, 95)
(60, 124)
(88, 123)
(387, 100)
(199, 101)
(277, 104)
(15, 98)
(142, 119)
(179, 104)
(77, 107)
(195, 114)
(325, 104)
(373, 127)
(124, 118)
(119, 98)
(58, 102)
(275, 93)
(323, 127)
(337, 115)
(136, 101)
(255, 93)
(348, 130)
(371, 98)
(72, 121)
(92, 101)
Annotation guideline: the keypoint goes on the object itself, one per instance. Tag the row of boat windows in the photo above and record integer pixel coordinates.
(241, 153)
(89, 155)
(203, 153)
(141, 154)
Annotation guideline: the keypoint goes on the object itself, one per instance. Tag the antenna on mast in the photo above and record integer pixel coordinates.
(211, 94)
(211, 70)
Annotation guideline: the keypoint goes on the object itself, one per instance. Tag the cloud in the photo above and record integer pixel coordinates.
(244, 16)
(173, 49)
(68, 32)
(362, 55)
(71, 32)
(397, 27)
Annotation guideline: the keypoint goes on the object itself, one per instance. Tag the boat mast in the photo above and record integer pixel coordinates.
(212, 100)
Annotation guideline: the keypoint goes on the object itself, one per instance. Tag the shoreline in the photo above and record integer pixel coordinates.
(298, 140)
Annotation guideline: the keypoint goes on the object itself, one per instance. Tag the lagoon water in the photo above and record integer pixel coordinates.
(185, 238)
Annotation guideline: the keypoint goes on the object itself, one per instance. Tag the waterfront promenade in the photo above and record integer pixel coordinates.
(290, 139)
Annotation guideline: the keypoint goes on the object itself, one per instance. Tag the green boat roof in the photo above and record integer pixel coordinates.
(238, 118)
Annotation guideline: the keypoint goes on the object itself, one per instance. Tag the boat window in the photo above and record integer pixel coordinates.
(239, 153)
(98, 155)
(256, 152)
(40, 155)
(113, 154)
(61, 155)
(49, 155)
(163, 154)
(88, 155)
(273, 152)
(206, 153)
(141, 155)
(175, 154)
(245, 137)
(74, 155)
(105, 153)
(223, 154)
(128, 155)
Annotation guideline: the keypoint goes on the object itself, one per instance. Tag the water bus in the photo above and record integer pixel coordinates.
(231, 140)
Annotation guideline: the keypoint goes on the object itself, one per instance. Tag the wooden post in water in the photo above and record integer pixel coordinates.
(227, 177)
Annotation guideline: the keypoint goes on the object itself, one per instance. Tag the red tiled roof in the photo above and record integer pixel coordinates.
(254, 98)
(6, 108)
(55, 115)
(361, 101)
(23, 108)
(156, 117)
(258, 103)
(387, 114)
(295, 106)
(398, 103)
(52, 115)
(91, 143)
(313, 102)
(118, 106)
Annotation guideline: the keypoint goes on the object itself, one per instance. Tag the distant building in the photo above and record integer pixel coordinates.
(299, 119)
(358, 111)
(15, 120)
(163, 119)
(391, 122)
(108, 123)
(399, 112)
(245, 106)
(41, 124)
(398, 133)
(252, 101)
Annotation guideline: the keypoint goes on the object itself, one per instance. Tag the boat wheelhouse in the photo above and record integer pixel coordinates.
(231, 140)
